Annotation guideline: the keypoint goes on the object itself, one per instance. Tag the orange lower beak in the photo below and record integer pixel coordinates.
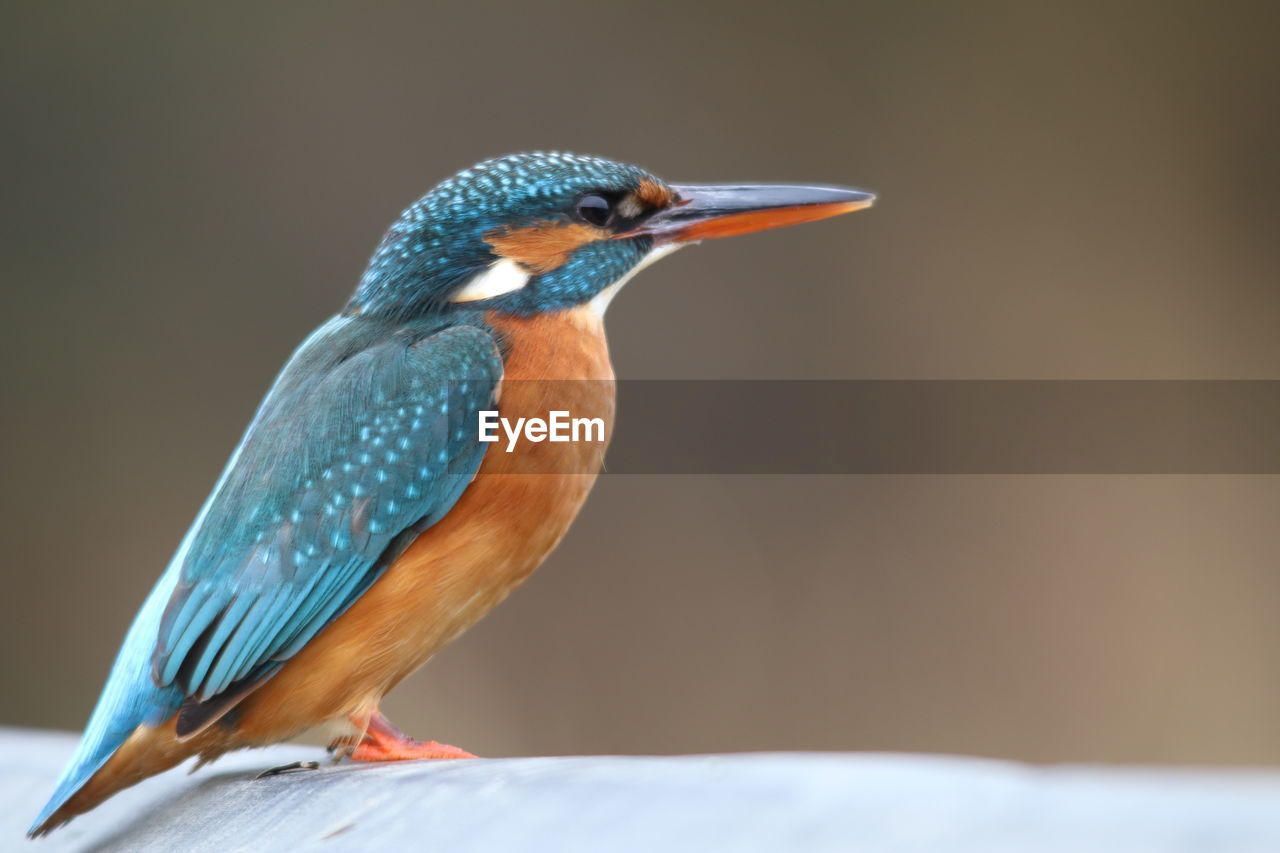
(706, 212)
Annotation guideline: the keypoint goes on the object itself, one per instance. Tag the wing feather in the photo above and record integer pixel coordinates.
(357, 448)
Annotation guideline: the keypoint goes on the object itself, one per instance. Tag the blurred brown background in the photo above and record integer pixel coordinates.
(1069, 190)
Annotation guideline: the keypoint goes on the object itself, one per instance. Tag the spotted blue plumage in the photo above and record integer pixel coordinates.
(440, 237)
(359, 446)
(351, 450)
(365, 440)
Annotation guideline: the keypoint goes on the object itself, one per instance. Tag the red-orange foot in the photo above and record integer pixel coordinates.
(384, 742)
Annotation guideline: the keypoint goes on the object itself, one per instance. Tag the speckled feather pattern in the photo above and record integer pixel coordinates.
(439, 239)
(349, 451)
(357, 449)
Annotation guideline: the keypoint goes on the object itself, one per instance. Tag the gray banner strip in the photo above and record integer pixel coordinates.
(945, 427)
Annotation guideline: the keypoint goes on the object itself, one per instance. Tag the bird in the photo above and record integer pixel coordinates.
(360, 524)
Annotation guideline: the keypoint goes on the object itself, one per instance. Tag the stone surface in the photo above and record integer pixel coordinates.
(749, 802)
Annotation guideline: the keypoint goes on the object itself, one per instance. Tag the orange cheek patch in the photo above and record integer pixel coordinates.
(543, 246)
(653, 195)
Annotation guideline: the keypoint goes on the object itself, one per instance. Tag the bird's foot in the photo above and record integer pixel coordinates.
(407, 751)
(382, 741)
(288, 768)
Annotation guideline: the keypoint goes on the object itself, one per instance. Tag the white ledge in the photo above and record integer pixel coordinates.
(747, 802)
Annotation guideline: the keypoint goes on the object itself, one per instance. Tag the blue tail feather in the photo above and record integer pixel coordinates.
(129, 699)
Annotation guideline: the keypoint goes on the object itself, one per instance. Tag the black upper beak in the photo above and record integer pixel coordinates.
(705, 212)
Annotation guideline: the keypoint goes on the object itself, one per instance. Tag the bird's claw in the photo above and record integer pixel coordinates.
(288, 768)
(340, 749)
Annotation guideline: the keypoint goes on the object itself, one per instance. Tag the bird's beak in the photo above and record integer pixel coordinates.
(705, 212)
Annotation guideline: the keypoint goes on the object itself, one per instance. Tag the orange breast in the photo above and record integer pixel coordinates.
(501, 529)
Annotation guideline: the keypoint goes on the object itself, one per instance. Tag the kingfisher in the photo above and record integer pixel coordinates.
(360, 524)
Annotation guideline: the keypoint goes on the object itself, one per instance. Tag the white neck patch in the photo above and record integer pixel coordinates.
(600, 302)
(507, 276)
(503, 277)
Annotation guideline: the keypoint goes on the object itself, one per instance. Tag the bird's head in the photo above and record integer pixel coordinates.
(548, 231)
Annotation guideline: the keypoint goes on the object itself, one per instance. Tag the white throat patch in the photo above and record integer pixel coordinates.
(600, 302)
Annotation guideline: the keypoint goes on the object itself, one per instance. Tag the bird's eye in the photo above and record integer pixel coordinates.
(595, 209)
